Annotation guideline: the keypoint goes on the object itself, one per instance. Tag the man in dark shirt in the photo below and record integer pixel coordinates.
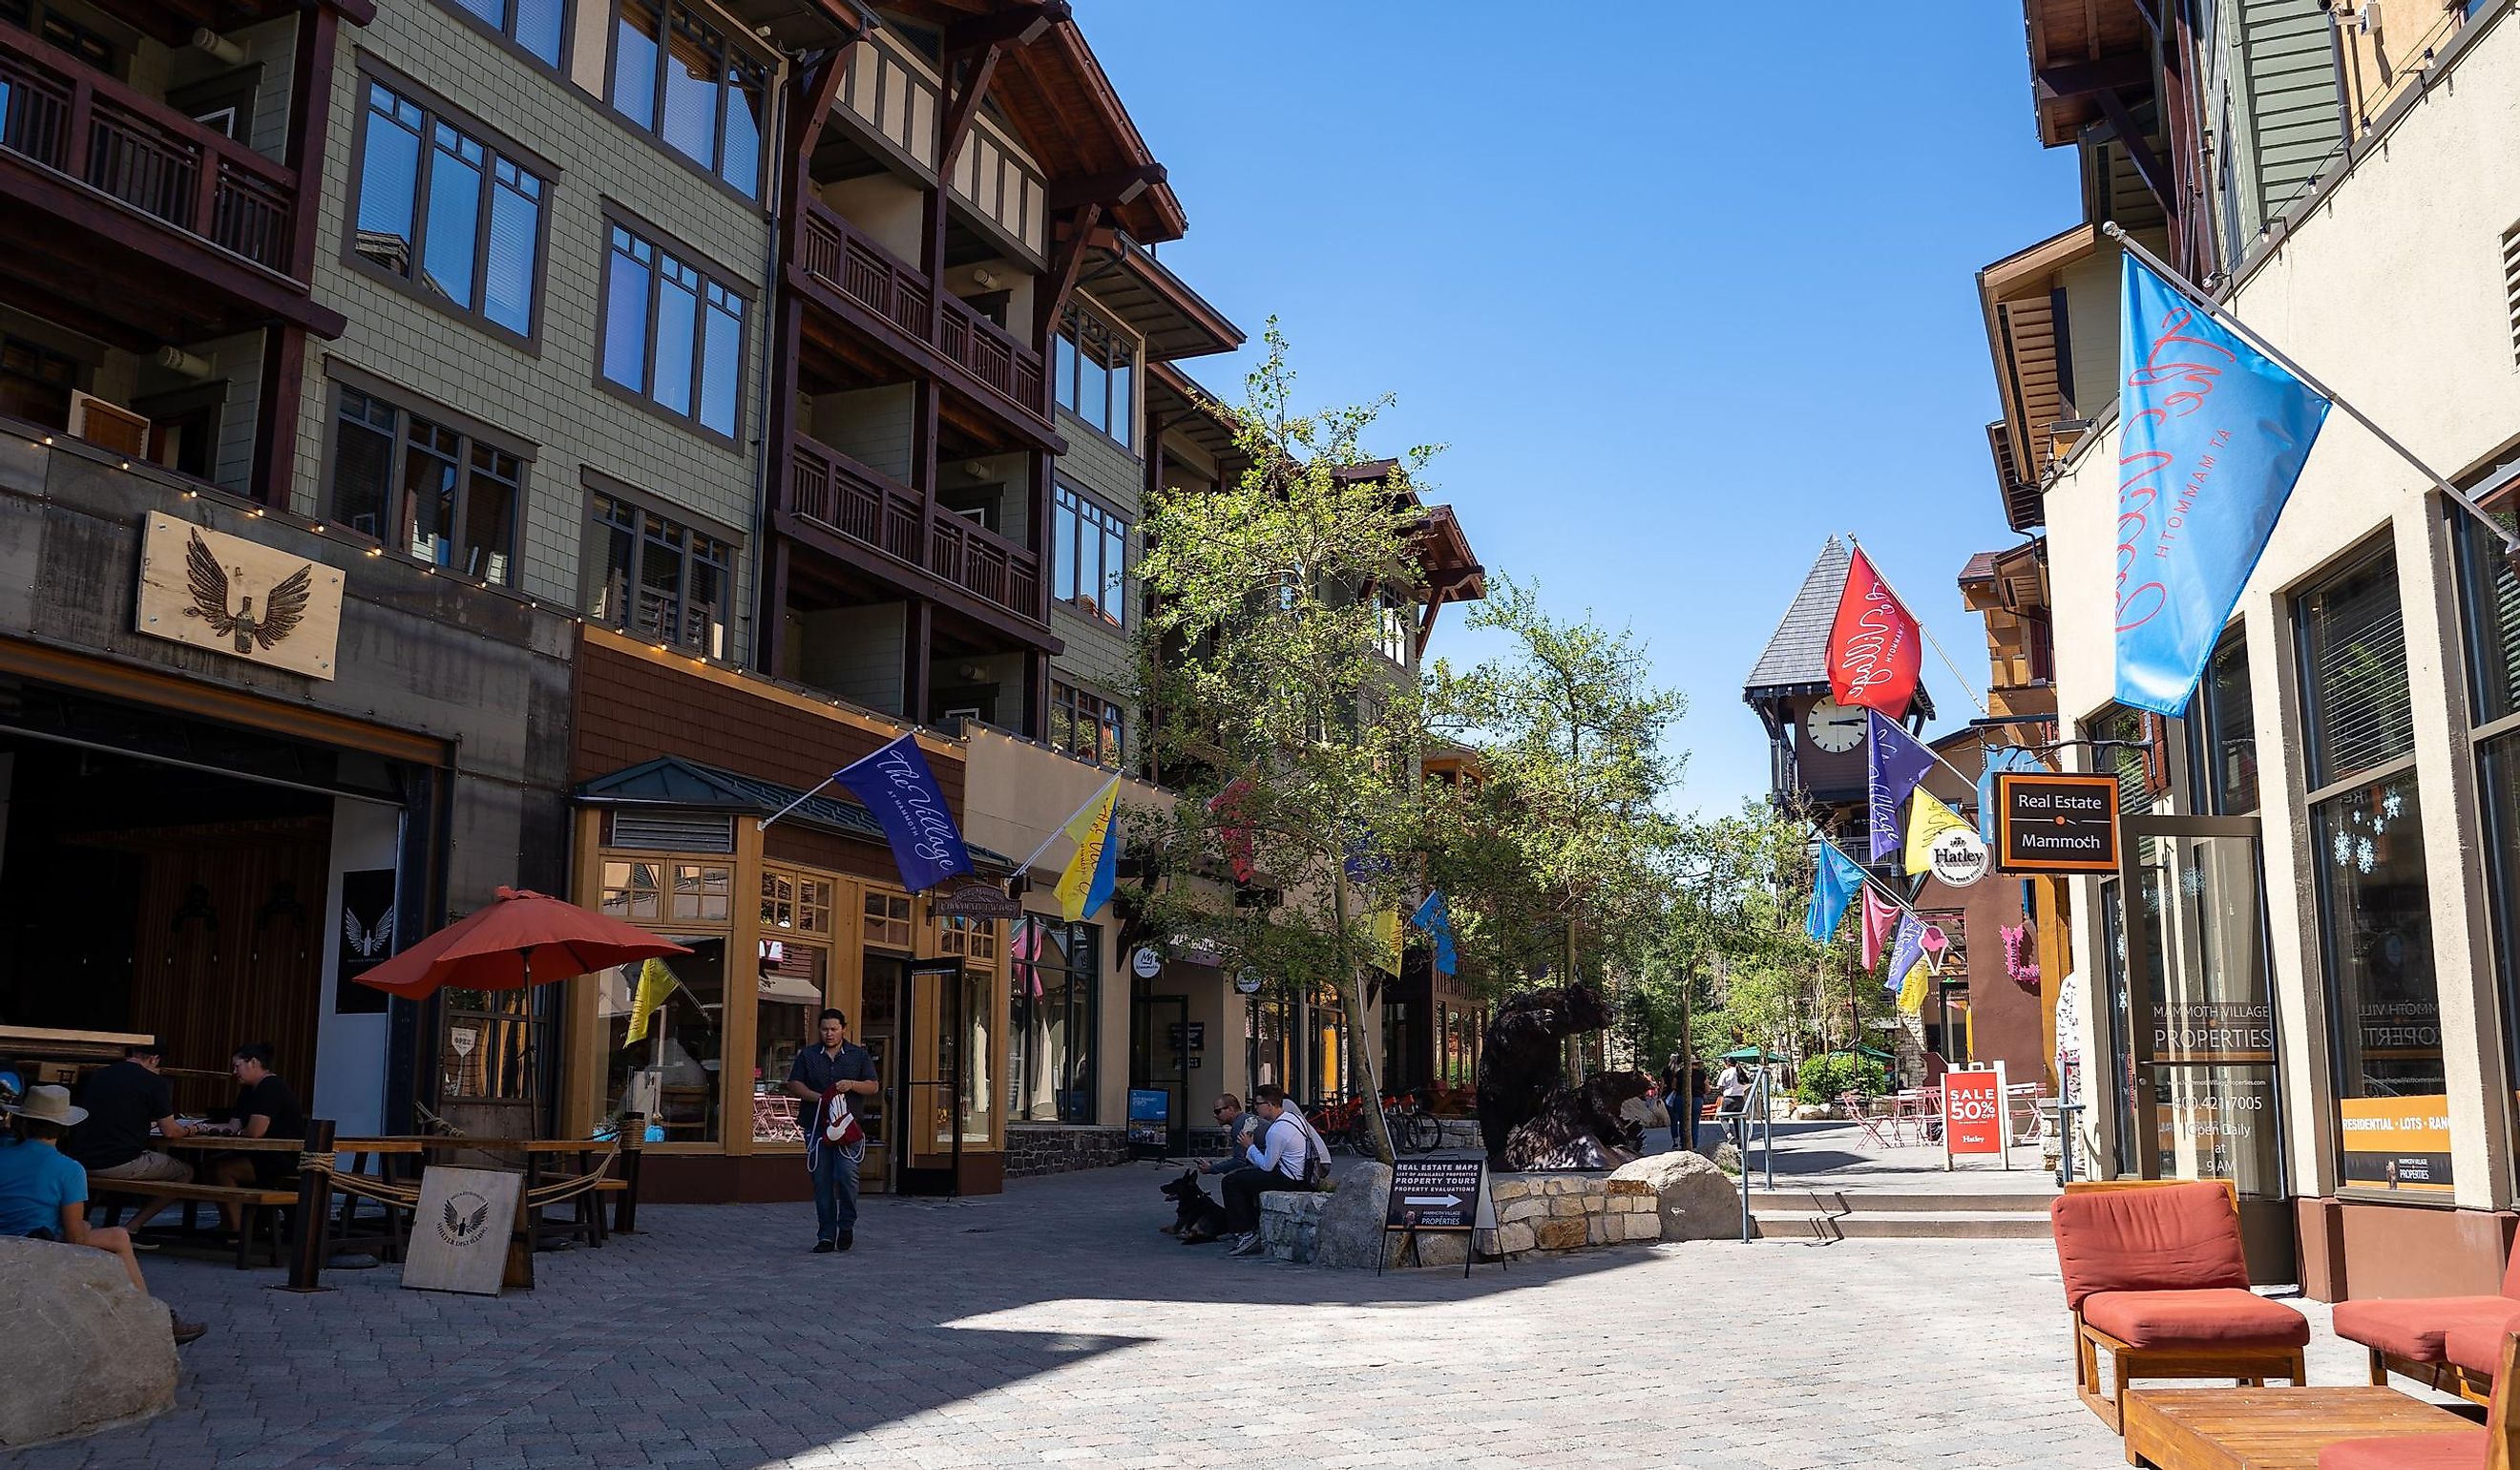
(123, 1101)
(841, 1064)
(265, 1108)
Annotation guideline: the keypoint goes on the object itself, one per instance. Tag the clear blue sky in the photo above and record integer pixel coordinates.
(1683, 289)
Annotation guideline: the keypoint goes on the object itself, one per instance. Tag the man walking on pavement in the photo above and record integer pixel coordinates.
(840, 1069)
(1735, 1085)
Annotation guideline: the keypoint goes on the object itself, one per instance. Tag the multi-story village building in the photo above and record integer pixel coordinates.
(656, 406)
(2300, 977)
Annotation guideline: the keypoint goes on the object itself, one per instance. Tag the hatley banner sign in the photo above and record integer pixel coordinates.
(2214, 436)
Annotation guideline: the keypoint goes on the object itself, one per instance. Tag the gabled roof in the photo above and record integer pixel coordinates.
(672, 782)
(1796, 658)
(1125, 278)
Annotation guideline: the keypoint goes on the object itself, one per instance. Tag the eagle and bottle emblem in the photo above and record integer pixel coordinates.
(238, 598)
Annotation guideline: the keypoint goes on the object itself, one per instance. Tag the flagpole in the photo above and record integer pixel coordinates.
(1027, 864)
(1927, 632)
(799, 801)
(2189, 289)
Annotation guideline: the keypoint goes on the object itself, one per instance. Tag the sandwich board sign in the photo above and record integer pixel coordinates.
(1974, 1121)
(459, 1233)
(1439, 1195)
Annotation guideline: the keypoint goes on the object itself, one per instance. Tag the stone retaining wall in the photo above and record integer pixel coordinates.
(1038, 1149)
(1545, 1212)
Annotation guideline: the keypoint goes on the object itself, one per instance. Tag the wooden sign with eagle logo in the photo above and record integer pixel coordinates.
(238, 598)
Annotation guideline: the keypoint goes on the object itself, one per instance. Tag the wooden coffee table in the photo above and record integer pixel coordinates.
(2268, 1428)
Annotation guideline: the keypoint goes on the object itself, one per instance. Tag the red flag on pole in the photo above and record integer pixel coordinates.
(1874, 647)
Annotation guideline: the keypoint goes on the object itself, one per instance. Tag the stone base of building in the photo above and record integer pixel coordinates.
(2376, 1248)
(1034, 1149)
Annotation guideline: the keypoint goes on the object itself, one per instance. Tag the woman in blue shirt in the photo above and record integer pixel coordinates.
(43, 1191)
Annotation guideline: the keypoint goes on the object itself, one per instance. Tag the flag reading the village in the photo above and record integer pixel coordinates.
(1833, 887)
(1435, 916)
(2214, 436)
(1874, 647)
(1906, 952)
(1893, 765)
(1095, 867)
(897, 786)
(1928, 817)
(1881, 916)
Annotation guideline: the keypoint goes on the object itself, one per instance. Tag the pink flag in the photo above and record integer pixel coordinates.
(1880, 918)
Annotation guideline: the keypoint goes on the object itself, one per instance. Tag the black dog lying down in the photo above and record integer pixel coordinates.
(1196, 1219)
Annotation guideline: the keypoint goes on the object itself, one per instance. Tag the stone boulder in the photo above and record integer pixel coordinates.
(86, 1352)
(1693, 1199)
(1349, 1232)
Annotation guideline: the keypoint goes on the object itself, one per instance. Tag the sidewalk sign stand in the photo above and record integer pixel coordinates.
(1976, 1117)
(1439, 1196)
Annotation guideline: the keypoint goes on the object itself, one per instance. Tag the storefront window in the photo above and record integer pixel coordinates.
(633, 891)
(2224, 731)
(1327, 1033)
(1051, 1008)
(2489, 598)
(489, 1046)
(786, 1022)
(1268, 1023)
(704, 893)
(887, 921)
(671, 1073)
(978, 1015)
(2374, 908)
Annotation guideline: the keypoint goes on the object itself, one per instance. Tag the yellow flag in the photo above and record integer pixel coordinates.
(1912, 991)
(1386, 929)
(656, 983)
(1927, 818)
(1087, 883)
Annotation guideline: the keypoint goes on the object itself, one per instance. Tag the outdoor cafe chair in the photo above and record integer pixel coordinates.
(1853, 1102)
(2156, 1278)
(2496, 1447)
(2411, 1335)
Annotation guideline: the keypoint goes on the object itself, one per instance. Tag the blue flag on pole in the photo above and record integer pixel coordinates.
(897, 786)
(2213, 436)
(1906, 949)
(1893, 765)
(1998, 762)
(1833, 887)
(1435, 916)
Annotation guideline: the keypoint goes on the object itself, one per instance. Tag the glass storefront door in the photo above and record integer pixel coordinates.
(2201, 1013)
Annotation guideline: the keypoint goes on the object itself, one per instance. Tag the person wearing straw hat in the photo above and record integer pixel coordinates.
(43, 1191)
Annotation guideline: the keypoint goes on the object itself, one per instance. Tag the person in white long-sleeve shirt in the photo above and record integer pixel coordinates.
(1281, 1159)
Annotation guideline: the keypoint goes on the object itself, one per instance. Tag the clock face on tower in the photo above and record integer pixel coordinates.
(1833, 726)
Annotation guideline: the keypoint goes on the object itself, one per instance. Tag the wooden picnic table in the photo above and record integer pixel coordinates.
(2268, 1428)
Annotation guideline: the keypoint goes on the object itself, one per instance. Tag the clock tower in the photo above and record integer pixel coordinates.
(1817, 754)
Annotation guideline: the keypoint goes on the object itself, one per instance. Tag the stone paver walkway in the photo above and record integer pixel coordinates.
(1052, 1325)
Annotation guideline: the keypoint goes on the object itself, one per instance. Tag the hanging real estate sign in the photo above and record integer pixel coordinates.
(2056, 823)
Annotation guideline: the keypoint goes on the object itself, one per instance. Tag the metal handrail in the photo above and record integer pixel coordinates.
(1765, 1125)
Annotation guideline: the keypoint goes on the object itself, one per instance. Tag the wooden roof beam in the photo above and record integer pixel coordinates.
(2127, 68)
(1113, 190)
(1019, 26)
(2156, 174)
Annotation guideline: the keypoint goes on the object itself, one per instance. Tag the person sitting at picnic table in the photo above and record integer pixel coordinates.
(265, 1108)
(43, 1191)
(125, 1104)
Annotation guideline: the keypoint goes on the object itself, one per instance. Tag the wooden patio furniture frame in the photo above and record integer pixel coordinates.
(2250, 1367)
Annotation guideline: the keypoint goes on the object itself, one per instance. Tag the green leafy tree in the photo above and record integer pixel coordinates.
(1295, 743)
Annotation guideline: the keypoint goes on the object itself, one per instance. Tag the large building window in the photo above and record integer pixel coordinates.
(1088, 558)
(672, 332)
(446, 213)
(2490, 599)
(1051, 1008)
(2374, 908)
(2224, 733)
(657, 578)
(534, 24)
(1084, 723)
(425, 487)
(1096, 374)
(1395, 624)
(680, 77)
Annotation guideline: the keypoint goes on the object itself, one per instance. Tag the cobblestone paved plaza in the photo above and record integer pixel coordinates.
(1055, 1326)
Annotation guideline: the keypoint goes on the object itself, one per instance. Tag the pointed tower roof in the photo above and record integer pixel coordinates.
(1796, 658)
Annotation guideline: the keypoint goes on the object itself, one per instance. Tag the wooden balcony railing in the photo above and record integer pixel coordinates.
(828, 487)
(840, 257)
(129, 147)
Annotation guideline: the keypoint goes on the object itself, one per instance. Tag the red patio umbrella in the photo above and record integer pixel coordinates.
(521, 938)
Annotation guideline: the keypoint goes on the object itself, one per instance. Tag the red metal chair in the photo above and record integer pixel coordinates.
(2156, 1278)
(1853, 1102)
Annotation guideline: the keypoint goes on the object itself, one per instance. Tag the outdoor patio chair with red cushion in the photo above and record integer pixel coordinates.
(2496, 1447)
(2410, 1335)
(2155, 1279)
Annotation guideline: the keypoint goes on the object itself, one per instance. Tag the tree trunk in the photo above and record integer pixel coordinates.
(1351, 997)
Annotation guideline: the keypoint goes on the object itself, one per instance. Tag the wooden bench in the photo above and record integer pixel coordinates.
(259, 1207)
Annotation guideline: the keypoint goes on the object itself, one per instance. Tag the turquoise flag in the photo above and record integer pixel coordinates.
(1832, 889)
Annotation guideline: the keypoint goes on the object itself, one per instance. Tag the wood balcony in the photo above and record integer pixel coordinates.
(129, 176)
(901, 308)
(928, 552)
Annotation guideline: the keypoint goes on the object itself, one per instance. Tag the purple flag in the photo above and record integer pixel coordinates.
(1893, 765)
(897, 786)
(1906, 949)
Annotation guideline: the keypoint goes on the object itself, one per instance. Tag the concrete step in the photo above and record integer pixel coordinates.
(1901, 1225)
(1896, 1201)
